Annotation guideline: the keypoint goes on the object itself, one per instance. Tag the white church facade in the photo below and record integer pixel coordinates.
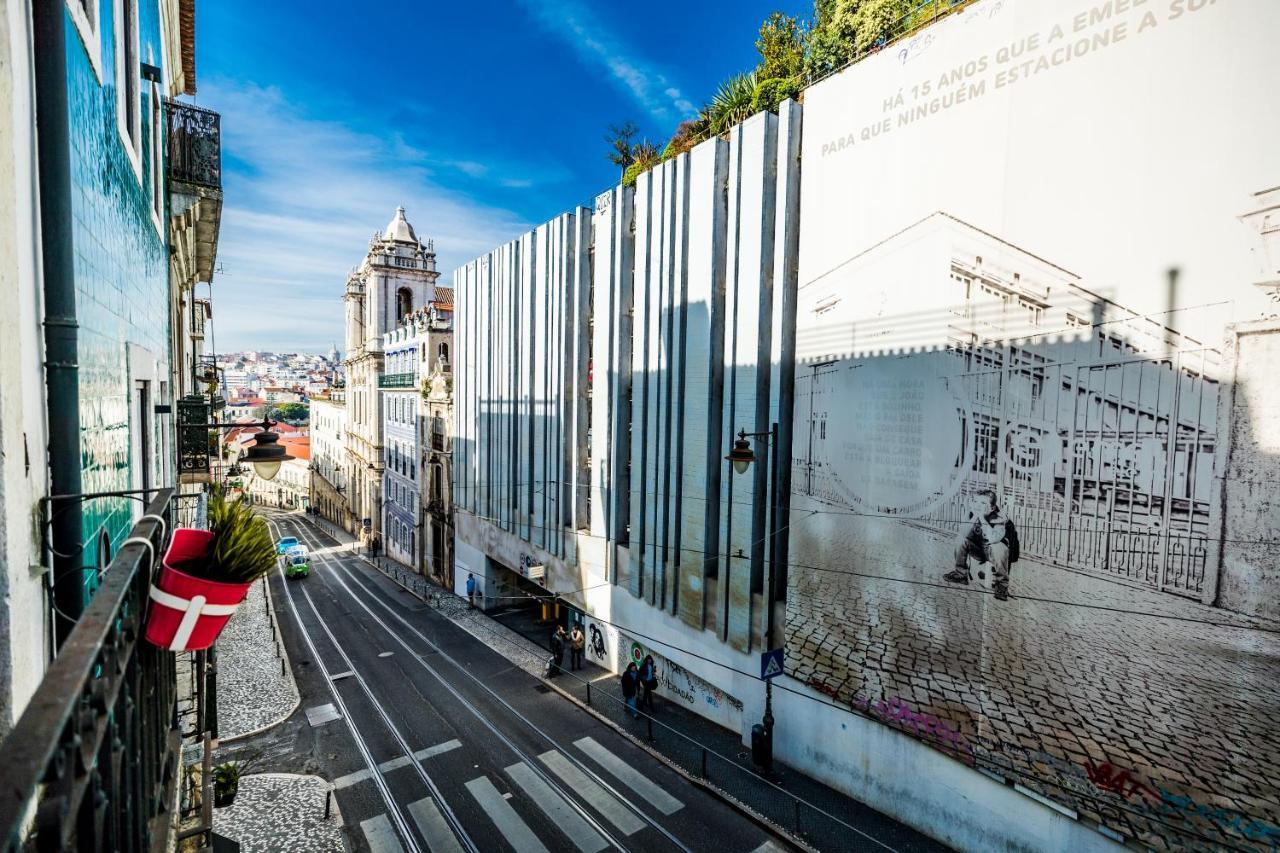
(396, 278)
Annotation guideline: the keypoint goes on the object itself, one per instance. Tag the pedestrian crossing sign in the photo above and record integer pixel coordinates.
(771, 664)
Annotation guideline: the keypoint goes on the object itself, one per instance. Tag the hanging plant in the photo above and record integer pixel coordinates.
(207, 573)
(226, 783)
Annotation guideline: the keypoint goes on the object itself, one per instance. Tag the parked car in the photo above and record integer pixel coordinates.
(297, 562)
(285, 543)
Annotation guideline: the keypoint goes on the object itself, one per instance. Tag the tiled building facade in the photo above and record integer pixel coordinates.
(118, 208)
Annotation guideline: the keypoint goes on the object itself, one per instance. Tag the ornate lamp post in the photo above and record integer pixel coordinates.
(741, 458)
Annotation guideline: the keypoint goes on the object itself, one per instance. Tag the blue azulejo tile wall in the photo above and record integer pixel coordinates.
(121, 256)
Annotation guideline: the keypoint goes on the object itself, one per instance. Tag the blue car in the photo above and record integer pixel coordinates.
(285, 543)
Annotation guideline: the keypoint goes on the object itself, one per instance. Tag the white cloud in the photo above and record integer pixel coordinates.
(642, 79)
(303, 197)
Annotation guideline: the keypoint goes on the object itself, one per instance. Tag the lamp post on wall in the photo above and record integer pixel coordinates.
(741, 458)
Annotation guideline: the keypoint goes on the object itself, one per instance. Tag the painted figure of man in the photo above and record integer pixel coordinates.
(988, 540)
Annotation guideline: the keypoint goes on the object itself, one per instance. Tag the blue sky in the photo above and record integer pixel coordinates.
(482, 118)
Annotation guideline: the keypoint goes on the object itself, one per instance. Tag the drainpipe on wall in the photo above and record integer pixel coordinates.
(60, 325)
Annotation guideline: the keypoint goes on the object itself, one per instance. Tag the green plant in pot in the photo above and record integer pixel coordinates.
(226, 783)
(207, 573)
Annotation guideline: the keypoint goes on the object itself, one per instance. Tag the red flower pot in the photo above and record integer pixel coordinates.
(188, 613)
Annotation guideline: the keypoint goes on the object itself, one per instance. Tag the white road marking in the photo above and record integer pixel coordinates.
(341, 675)
(381, 837)
(396, 763)
(629, 776)
(515, 830)
(321, 714)
(597, 797)
(553, 806)
(433, 826)
(385, 654)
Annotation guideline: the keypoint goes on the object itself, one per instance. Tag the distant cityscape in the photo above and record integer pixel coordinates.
(256, 380)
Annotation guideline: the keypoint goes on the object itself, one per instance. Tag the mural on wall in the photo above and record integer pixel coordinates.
(1008, 480)
(611, 648)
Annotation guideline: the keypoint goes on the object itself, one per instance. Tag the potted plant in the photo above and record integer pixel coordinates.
(226, 782)
(205, 575)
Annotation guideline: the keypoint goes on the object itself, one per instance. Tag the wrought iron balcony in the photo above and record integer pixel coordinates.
(397, 380)
(195, 144)
(93, 762)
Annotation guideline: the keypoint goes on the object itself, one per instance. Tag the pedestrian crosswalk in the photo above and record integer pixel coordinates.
(585, 798)
(571, 823)
(434, 828)
(608, 806)
(648, 790)
(504, 817)
(380, 836)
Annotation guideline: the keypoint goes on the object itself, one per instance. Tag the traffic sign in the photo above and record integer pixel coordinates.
(771, 664)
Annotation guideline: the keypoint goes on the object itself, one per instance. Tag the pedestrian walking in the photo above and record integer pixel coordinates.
(648, 682)
(471, 589)
(577, 642)
(630, 687)
(557, 650)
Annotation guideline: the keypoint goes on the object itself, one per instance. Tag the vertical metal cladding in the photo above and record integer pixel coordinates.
(748, 309)
(519, 396)
(614, 357)
(701, 370)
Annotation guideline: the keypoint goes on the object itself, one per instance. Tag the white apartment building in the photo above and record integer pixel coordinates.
(329, 459)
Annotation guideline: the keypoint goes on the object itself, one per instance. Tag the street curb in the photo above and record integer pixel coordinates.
(288, 668)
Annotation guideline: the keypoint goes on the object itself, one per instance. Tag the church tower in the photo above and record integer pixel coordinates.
(397, 277)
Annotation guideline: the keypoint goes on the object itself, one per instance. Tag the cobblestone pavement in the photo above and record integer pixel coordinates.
(253, 693)
(1063, 688)
(281, 812)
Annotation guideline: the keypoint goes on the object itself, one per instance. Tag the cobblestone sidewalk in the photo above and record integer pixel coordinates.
(254, 690)
(281, 812)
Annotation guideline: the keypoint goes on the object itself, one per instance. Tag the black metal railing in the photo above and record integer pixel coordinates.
(195, 144)
(93, 762)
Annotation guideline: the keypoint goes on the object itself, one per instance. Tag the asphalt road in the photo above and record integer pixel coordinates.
(449, 747)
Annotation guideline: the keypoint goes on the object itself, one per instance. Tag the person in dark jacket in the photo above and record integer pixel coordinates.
(648, 682)
(557, 650)
(630, 687)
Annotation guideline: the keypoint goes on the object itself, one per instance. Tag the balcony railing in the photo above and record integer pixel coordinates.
(396, 380)
(93, 762)
(195, 145)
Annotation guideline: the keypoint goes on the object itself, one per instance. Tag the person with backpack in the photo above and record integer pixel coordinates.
(630, 687)
(991, 538)
(648, 681)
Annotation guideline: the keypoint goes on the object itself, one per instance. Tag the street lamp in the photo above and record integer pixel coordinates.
(741, 457)
(266, 455)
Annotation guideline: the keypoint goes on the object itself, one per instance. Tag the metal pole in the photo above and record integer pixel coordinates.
(768, 726)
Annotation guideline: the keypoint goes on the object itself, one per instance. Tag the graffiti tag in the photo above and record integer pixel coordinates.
(1109, 778)
(895, 710)
(1179, 805)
